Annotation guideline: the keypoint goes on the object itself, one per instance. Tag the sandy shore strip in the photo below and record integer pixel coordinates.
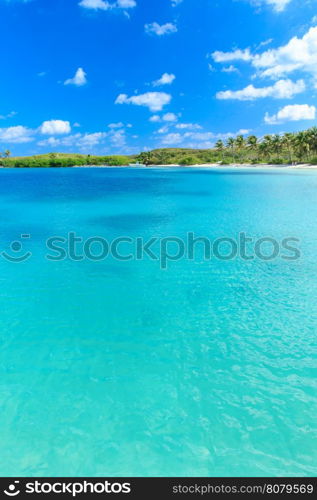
(303, 166)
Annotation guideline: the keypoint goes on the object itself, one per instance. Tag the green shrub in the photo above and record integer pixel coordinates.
(277, 161)
(188, 160)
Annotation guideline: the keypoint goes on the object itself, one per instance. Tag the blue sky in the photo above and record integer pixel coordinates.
(121, 76)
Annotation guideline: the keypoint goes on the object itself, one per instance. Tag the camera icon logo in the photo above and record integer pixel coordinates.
(17, 254)
(12, 490)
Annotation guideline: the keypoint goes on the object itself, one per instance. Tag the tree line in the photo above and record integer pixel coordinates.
(276, 149)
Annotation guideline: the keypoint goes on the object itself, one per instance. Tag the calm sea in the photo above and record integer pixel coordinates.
(119, 368)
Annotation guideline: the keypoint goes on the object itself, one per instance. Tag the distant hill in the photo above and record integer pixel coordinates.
(64, 160)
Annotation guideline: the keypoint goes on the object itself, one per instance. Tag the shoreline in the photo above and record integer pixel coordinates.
(305, 166)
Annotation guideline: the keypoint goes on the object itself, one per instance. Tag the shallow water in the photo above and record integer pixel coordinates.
(120, 368)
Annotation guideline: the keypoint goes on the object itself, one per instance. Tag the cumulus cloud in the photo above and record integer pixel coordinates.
(160, 29)
(116, 125)
(82, 141)
(235, 55)
(118, 138)
(79, 79)
(105, 5)
(16, 135)
(166, 79)
(126, 4)
(172, 138)
(188, 126)
(168, 117)
(55, 127)
(299, 54)
(230, 69)
(95, 4)
(155, 101)
(198, 139)
(283, 89)
(155, 118)
(278, 5)
(291, 113)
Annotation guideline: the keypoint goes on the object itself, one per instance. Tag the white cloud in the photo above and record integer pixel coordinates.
(16, 135)
(168, 117)
(88, 140)
(95, 4)
(299, 54)
(163, 130)
(79, 79)
(166, 79)
(198, 139)
(8, 115)
(188, 126)
(235, 55)
(55, 127)
(155, 119)
(283, 89)
(118, 138)
(82, 141)
(155, 101)
(292, 113)
(176, 2)
(230, 69)
(126, 4)
(278, 5)
(160, 30)
(105, 5)
(173, 138)
(116, 125)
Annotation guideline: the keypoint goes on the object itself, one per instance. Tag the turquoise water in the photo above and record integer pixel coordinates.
(116, 368)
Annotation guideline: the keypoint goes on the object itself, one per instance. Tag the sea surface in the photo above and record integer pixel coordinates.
(112, 367)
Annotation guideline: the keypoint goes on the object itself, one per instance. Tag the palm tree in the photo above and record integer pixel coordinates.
(276, 144)
(312, 138)
(252, 143)
(7, 153)
(288, 142)
(220, 147)
(145, 158)
(302, 144)
(230, 144)
(266, 146)
(240, 143)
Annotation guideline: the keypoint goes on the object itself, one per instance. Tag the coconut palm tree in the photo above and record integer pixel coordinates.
(230, 144)
(302, 144)
(220, 147)
(252, 143)
(312, 139)
(288, 143)
(240, 143)
(276, 144)
(266, 146)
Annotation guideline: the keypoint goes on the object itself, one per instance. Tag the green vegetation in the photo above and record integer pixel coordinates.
(299, 147)
(178, 156)
(62, 160)
(274, 149)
